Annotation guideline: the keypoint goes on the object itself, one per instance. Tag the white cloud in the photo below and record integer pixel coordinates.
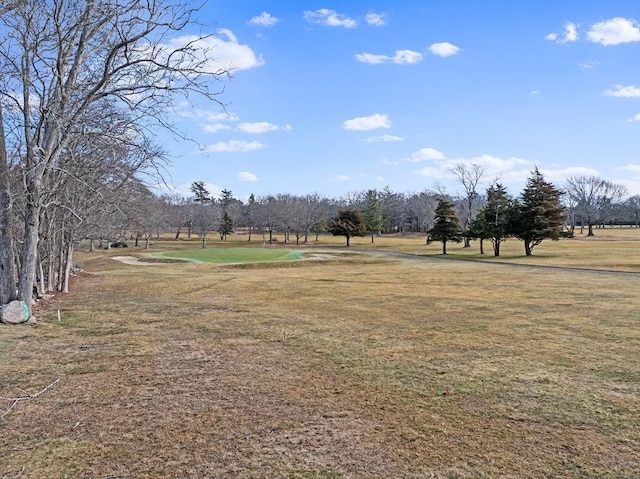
(260, 127)
(341, 178)
(406, 57)
(588, 65)
(246, 176)
(570, 34)
(215, 127)
(185, 190)
(401, 57)
(221, 52)
(492, 164)
(431, 172)
(329, 18)
(534, 92)
(559, 176)
(633, 168)
(234, 146)
(631, 184)
(383, 139)
(635, 118)
(375, 19)
(427, 154)
(264, 20)
(615, 31)
(365, 123)
(444, 49)
(621, 91)
(371, 58)
(185, 110)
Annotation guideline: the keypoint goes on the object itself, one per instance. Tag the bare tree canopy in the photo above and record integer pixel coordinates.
(108, 70)
(593, 199)
(469, 177)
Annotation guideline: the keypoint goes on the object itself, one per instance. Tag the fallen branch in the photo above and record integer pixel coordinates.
(14, 477)
(27, 396)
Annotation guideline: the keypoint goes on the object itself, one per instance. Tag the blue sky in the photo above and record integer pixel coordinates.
(336, 97)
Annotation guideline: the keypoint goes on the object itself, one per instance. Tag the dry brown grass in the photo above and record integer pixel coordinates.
(328, 369)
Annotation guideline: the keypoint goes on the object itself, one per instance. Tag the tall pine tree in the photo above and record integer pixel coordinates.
(446, 226)
(494, 221)
(539, 213)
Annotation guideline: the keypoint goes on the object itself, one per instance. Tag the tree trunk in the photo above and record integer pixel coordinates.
(527, 248)
(42, 288)
(590, 233)
(29, 246)
(348, 238)
(7, 260)
(481, 245)
(496, 248)
(68, 263)
(444, 247)
(467, 242)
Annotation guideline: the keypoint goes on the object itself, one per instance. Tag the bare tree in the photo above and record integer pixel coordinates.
(469, 176)
(62, 63)
(594, 199)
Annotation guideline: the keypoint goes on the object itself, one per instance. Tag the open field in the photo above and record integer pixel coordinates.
(333, 368)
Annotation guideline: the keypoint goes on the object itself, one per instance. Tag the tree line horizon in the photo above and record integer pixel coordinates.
(496, 215)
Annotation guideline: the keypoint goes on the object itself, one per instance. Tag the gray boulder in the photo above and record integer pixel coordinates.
(15, 312)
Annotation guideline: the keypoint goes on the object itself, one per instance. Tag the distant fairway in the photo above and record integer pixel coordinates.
(234, 255)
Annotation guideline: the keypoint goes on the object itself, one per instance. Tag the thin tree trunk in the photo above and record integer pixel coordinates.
(42, 288)
(68, 263)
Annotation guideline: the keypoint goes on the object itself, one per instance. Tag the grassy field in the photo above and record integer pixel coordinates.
(333, 367)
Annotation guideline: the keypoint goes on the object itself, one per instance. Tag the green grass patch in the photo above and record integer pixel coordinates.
(234, 255)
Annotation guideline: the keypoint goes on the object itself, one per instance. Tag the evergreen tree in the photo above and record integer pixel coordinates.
(249, 214)
(226, 226)
(226, 198)
(494, 221)
(539, 214)
(446, 226)
(200, 192)
(372, 215)
(349, 222)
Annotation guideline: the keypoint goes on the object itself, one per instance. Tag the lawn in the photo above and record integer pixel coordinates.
(233, 255)
(331, 369)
